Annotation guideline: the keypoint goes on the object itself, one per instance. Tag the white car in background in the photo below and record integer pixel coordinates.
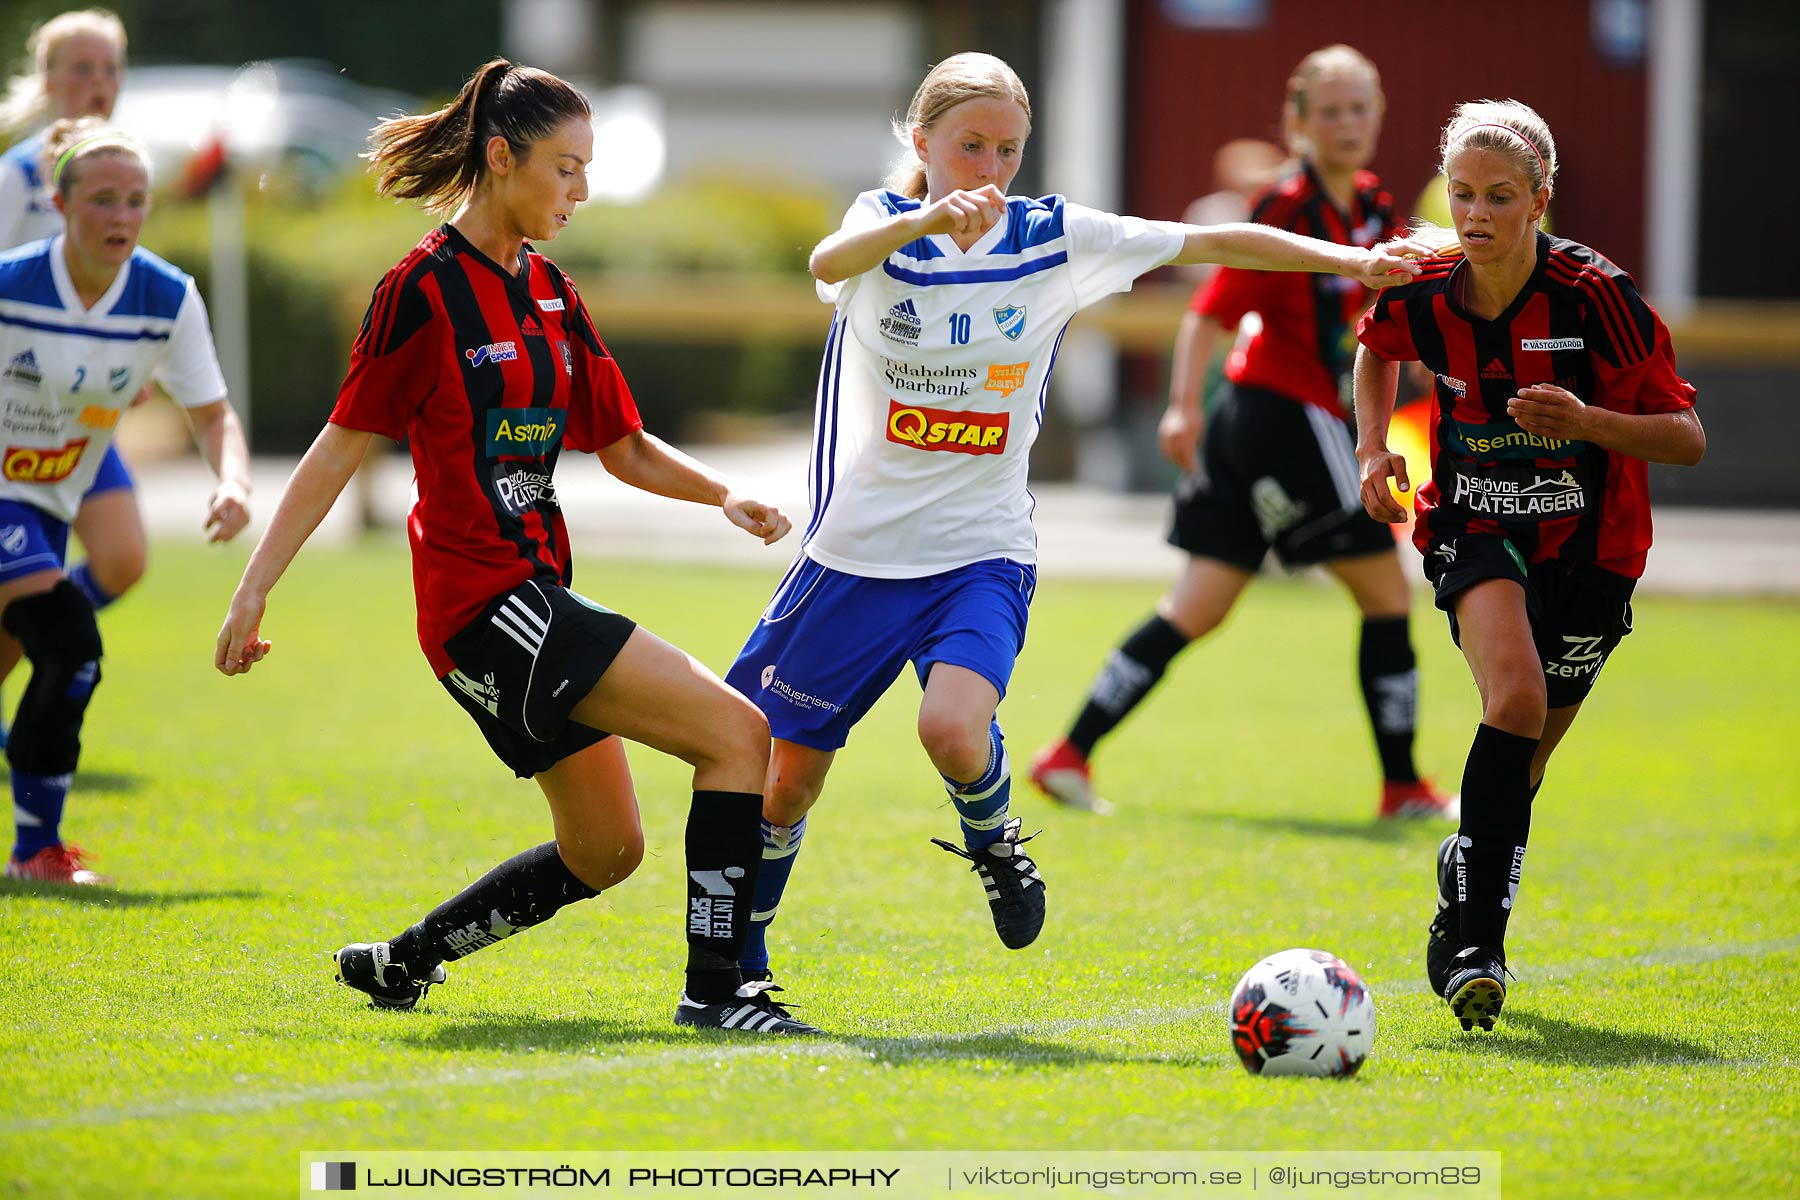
(297, 120)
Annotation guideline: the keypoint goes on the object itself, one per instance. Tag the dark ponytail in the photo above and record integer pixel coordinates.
(438, 158)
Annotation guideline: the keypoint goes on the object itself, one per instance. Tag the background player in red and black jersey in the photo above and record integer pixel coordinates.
(478, 352)
(1279, 465)
(1555, 385)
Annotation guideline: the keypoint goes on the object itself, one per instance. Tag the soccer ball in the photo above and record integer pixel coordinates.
(1302, 1012)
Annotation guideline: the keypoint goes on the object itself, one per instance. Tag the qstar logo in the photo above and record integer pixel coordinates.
(941, 429)
(26, 464)
(1010, 320)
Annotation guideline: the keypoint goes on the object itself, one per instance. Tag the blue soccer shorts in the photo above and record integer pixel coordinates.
(31, 540)
(112, 475)
(830, 644)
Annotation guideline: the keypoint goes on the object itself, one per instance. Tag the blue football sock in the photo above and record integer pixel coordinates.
(37, 811)
(781, 845)
(981, 804)
(83, 577)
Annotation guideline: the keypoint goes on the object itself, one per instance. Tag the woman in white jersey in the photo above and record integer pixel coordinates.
(78, 63)
(87, 318)
(951, 299)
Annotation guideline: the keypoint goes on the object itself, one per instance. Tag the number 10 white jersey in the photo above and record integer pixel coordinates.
(934, 380)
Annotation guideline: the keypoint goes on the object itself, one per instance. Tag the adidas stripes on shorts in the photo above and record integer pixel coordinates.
(525, 662)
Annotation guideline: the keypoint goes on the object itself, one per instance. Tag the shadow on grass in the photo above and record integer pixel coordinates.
(510, 1033)
(108, 781)
(1556, 1040)
(1008, 1051)
(109, 897)
(1360, 827)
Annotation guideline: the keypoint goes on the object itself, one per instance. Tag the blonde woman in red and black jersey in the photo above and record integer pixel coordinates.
(1555, 384)
(1278, 468)
(479, 353)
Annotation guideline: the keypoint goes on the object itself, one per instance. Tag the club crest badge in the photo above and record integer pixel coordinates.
(1010, 319)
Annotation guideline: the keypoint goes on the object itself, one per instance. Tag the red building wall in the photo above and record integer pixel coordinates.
(1188, 91)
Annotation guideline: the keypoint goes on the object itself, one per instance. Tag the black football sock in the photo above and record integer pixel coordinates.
(1129, 674)
(724, 855)
(523, 891)
(1496, 823)
(1390, 688)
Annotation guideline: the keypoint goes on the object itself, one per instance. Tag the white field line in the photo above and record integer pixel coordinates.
(848, 1047)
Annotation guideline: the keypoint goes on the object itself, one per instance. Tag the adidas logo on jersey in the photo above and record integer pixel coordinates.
(902, 324)
(1496, 369)
(24, 368)
(530, 328)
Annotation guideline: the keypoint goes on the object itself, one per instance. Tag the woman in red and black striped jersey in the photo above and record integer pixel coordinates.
(1279, 466)
(477, 351)
(1555, 384)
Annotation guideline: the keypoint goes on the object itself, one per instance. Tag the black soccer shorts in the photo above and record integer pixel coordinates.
(1579, 612)
(1274, 473)
(525, 662)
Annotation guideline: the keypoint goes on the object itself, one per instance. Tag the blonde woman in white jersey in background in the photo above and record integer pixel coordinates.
(86, 319)
(77, 66)
(951, 299)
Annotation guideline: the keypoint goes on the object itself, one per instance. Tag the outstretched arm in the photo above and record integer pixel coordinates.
(650, 464)
(1264, 248)
(848, 253)
(309, 495)
(220, 437)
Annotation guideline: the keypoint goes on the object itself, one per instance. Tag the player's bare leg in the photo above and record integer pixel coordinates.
(962, 738)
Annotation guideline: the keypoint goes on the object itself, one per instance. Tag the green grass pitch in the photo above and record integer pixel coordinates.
(184, 1026)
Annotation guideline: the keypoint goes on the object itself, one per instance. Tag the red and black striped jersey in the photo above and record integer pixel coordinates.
(1307, 342)
(1578, 323)
(488, 376)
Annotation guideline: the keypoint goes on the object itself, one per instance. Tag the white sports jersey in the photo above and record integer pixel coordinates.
(934, 380)
(26, 213)
(67, 372)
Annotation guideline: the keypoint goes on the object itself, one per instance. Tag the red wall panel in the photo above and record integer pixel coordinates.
(1188, 91)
